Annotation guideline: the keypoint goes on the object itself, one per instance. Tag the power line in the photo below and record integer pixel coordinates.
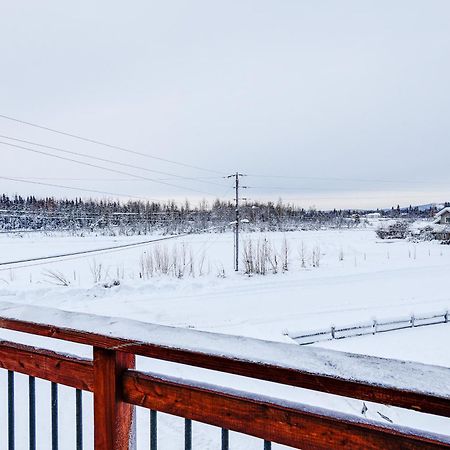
(75, 188)
(123, 149)
(26, 231)
(85, 253)
(295, 189)
(84, 163)
(107, 160)
(344, 197)
(310, 191)
(75, 179)
(353, 180)
(101, 179)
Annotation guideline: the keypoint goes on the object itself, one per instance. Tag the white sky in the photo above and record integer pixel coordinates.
(349, 96)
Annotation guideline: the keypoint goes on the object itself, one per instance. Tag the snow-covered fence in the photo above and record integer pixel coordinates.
(117, 387)
(370, 327)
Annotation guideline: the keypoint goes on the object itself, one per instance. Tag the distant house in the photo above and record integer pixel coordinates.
(441, 229)
(374, 215)
(443, 217)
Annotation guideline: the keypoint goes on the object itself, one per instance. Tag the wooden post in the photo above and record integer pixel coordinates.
(113, 419)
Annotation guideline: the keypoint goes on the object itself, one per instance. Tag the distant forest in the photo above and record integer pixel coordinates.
(138, 217)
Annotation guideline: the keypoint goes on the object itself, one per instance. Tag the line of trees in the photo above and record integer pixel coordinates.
(139, 217)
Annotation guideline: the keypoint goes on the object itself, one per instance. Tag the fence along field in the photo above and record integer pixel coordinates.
(117, 386)
(364, 329)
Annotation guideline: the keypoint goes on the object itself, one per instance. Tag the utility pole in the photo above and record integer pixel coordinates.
(236, 177)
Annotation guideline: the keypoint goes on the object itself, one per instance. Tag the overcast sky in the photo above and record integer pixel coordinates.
(346, 103)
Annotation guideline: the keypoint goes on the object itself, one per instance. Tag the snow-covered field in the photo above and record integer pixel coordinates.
(357, 278)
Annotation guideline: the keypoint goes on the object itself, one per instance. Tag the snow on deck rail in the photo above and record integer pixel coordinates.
(367, 328)
(189, 346)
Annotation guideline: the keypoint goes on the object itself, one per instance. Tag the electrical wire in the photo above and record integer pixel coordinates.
(87, 253)
(99, 179)
(353, 180)
(108, 160)
(342, 197)
(104, 144)
(40, 183)
(30, 231)
(84, 163)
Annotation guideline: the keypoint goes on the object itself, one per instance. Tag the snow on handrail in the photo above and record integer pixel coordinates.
(139, 338)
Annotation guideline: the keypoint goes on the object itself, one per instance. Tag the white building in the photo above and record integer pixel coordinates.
(441, 229)
(443, 217)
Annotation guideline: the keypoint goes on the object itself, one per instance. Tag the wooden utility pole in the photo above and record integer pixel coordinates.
(236, 177)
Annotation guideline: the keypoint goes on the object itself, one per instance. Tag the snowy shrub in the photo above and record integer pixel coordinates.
(302, 255)
(285, 255)
(316, 256)
(424, 234)
(257, 256)
(221, 272)
(201, 264)
(96, 271)
(397, 230)
(178, 262)
(111, 284)
(261, 256)
(56, 278)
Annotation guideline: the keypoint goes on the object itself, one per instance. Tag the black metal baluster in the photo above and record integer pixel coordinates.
(54, 416)
(153, 430)
(225, 439)
(187, 434)
(32, 411)
(11, 437)
(267, 445)
(79, 418)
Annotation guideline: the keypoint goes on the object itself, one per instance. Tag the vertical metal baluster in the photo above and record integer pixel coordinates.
(79, 418)
(187, 434)
(225, 439)
(153, 430)
(267, 445)
(11, 437)
(54, 416)
(32, 411)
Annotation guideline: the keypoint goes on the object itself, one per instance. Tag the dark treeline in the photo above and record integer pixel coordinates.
(138, 217)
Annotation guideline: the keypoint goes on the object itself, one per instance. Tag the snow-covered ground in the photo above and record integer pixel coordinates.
(359, 278)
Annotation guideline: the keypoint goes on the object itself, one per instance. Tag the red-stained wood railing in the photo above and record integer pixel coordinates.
(117, 386)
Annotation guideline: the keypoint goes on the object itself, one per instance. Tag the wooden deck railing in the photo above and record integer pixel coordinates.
(118, 387)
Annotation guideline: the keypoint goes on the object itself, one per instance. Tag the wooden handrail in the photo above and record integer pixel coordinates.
(52, 366)
(283, 422)
(384, 390)
(286, 423)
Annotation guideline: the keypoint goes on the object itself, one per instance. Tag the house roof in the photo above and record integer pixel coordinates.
(443, 211)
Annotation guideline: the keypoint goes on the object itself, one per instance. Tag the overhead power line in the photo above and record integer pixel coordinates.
(75, 188)
(108, 169)
(104, 144)
(73, 255)
(344, 197)
(353, 180)
(99, 179)
(24, 231)
(309, 191)
(109, 160)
